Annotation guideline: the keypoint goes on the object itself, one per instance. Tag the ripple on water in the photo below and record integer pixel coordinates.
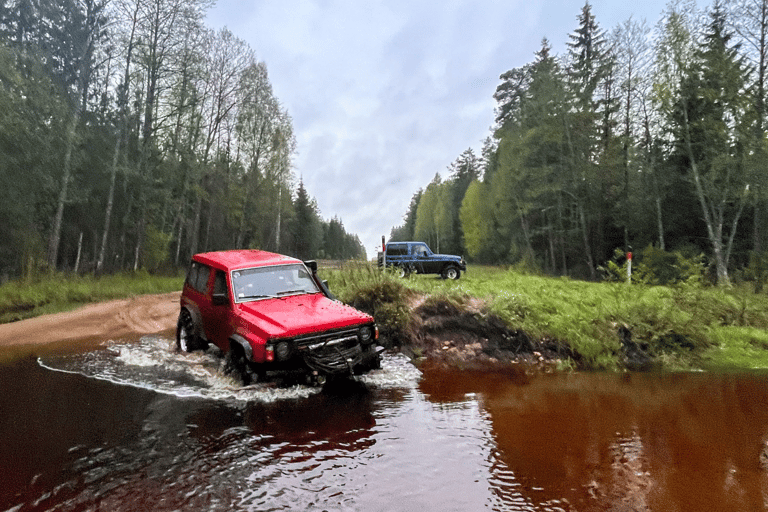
(153, 363)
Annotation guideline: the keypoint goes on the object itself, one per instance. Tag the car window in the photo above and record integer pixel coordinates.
(197, 276)
(220, 283)
(271, 282)
(420, 250)
(397, 250)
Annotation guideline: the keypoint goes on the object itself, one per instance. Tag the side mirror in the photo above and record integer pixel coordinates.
(220, 299)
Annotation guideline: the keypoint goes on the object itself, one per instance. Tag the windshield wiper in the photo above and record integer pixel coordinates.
(259, 297)
(292, 292)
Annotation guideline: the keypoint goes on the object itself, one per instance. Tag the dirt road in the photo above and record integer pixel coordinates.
(124, 318)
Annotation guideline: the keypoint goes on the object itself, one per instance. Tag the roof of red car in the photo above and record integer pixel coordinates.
(230, 260)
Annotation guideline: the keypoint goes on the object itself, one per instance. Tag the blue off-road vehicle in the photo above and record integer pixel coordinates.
(416, 257)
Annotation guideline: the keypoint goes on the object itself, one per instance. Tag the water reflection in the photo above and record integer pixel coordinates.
(115, 430)
(625, 442)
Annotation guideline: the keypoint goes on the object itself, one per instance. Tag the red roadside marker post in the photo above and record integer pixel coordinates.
(629, 268)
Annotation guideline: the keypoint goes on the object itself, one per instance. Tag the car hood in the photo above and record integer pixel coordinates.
(299, 314)
(447, 257)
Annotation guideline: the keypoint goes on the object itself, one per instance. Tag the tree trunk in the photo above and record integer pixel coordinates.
(55, 239)
(121, 136)
(585, 236)
(714, 231)
(79, 253)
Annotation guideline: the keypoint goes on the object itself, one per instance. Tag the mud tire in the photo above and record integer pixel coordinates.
(187, 339)
(237, 365)
(451, 272)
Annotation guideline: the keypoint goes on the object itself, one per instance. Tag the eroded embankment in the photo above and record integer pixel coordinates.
(467, 336)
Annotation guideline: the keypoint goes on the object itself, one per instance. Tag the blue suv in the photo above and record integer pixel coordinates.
(417, 257)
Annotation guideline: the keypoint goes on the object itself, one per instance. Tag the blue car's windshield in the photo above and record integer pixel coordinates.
(272, 282)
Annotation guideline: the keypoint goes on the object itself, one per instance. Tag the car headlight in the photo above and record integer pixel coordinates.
(283, 350)
(366, 334)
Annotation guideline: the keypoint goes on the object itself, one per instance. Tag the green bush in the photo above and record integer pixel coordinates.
(757, 271)
(657, 267)
(376, 292)
(155, 250)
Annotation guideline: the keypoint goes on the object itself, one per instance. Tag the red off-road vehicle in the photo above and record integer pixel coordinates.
(270, 312)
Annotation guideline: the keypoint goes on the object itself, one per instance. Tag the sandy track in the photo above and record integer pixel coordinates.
(124, 318)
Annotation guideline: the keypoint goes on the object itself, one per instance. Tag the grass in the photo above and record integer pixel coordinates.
(62, 292)
(680, 327)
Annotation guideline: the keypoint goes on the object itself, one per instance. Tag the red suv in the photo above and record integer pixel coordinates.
(270, 312)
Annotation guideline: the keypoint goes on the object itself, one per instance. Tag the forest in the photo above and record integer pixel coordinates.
(133, 136)
(643, 138)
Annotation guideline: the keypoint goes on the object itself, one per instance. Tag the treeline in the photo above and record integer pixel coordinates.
(641, 137)
(132, 136)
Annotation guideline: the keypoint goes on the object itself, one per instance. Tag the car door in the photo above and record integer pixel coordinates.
(420, 258)
(217, 314)
(196, 287)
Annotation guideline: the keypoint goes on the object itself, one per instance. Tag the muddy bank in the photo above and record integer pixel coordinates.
(96, 323)
(467, 336)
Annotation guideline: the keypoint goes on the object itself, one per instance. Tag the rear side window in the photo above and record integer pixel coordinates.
(397, 250)
(220, 283)
(197, 276)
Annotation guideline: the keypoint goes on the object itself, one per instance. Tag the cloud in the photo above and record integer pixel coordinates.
(383, 95)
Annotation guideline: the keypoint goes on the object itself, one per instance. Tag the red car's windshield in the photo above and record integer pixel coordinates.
(271, 282)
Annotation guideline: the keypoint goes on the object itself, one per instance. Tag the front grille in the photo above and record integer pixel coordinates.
(325, 338)
(335, 352)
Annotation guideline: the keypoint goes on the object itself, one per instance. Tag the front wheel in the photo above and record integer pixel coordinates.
(237, 364)
(451, 273)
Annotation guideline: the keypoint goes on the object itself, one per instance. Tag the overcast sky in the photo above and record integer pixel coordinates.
(385, 94)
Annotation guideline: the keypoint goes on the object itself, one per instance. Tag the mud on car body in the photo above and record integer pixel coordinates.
(268, 312)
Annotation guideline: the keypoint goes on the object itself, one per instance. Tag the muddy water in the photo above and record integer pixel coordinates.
(135, 426)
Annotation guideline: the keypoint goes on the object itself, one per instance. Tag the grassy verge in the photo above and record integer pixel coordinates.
(19, 300)
(679, 327)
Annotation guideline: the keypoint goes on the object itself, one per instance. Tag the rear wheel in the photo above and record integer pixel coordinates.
(451, 272)
(187, 339)
(403, 271)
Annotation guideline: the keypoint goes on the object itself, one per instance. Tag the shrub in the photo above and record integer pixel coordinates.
(757, 271)
(378, 293)
(657, 267)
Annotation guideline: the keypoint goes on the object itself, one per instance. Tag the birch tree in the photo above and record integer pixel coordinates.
(712, 128)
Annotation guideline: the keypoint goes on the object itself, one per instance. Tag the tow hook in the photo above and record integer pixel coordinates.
(315, 379)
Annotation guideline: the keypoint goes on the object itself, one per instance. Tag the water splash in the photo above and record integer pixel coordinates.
(154, 364)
